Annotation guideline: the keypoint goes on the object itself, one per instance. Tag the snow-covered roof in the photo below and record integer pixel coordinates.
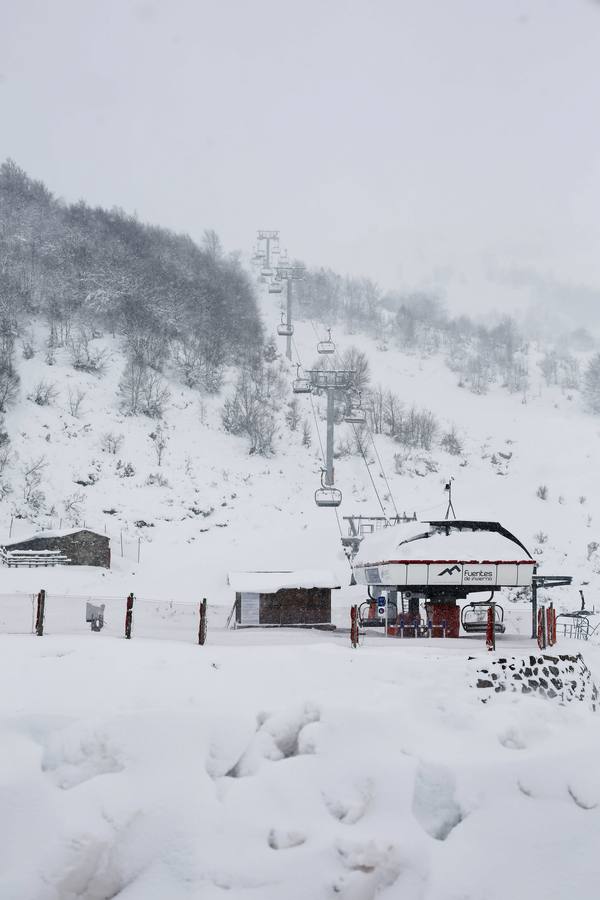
(422, 541)
(47, 535)
(271, 582)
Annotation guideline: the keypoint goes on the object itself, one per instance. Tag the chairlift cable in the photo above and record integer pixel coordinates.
(385, 478)
(362, 453)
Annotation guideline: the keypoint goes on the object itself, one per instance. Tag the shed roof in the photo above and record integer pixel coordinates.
(271, 582)
(49, 535)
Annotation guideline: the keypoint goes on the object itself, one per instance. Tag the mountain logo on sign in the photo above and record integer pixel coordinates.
(449, 571)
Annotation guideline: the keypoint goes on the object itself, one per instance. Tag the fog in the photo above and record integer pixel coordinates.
(426, 144)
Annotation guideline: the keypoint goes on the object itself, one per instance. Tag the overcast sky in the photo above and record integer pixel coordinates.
(420, 142)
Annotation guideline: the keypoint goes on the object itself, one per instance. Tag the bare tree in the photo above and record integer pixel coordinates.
(111, 442)
(159, 440)
(9, 387)
(33, 472)
(74, 400)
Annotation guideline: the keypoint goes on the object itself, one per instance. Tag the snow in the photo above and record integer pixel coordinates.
(429, 543)
(284, 765)
(45, 535)
(272, 767)
(271, 582)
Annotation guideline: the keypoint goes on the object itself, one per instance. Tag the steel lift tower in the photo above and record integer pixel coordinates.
(289, 274)
(268, 237)
(332, 381)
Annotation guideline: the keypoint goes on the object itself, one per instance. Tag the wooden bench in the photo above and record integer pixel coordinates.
(32, 558)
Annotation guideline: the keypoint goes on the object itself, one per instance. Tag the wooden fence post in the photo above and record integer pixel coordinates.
(202, 625)
(39, 618)
(129, 615)
(354, 625)
(490, 628)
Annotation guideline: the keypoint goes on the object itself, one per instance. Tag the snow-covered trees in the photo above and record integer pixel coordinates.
(82, 268)
(591, 384)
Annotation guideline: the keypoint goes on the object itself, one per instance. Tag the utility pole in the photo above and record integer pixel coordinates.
(331, 380)
(268, 237)
(289, 274)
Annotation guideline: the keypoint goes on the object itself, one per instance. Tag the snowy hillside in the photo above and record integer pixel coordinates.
(211, 507)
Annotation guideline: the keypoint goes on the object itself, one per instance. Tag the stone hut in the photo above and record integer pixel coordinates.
(301, 598)
(82, 546)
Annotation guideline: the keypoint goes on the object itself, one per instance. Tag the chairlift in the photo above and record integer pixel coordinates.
(326, 346)
(266, 271)
(283, 329)
(301, 385)
(275, 287)
(355, 414)
(327, 494)
(371, 613)
(473, 617)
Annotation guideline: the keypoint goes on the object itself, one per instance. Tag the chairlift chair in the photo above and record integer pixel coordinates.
(301, 385)
(327, 494)
(326, 346)
(355, 414)
(371, 614)
(266, 271)
(283, 329)
(473, 617)
(275, 287)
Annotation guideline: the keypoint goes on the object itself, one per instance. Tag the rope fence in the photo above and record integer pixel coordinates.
(60, 614)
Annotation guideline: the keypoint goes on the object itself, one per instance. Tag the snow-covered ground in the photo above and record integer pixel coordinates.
(277, 764)
(285, 765)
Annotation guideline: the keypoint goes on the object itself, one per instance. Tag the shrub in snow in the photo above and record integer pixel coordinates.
(271, 352)
(84, 356)
(33, 472)
(542, 492)
(451, 443)
(541, 537)
(72, 506)
(142, 391)
(416, 429)
(157, 478)
(306, 434)
(28, 349)
(292, 416)
(111, 442)
(200, 362)
(44, 393)
(125, 470)
(75, 399)
(249, 411)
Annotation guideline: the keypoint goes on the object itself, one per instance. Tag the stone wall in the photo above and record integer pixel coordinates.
(556, 677)
(83, 548)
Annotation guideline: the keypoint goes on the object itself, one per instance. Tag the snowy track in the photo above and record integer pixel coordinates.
(157, 771)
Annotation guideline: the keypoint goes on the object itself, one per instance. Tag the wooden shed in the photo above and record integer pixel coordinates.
(81, 546)
(300, 598)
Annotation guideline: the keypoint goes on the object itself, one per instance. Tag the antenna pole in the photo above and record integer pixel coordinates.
(450, 508)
